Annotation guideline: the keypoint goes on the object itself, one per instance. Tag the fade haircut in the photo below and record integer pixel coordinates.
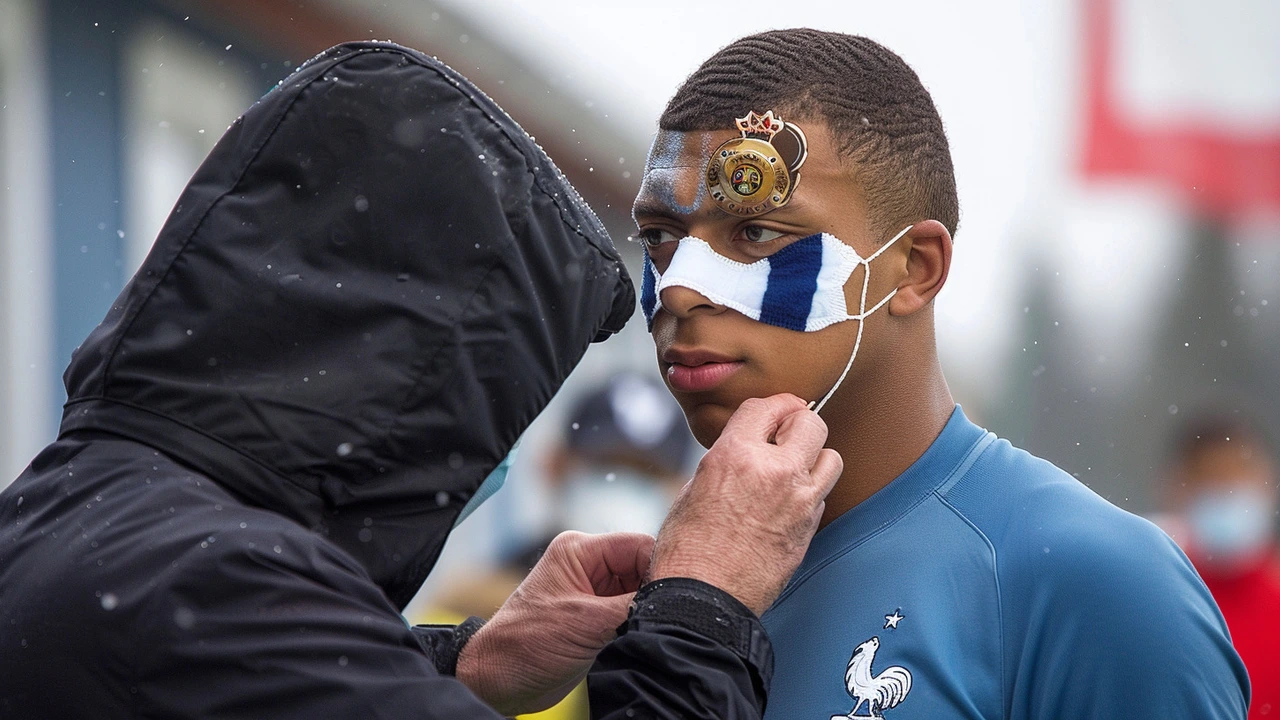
(879, 113)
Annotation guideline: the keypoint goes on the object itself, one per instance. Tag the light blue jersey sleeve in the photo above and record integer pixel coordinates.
(1103, 616)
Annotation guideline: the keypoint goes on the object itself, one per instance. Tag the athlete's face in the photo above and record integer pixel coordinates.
(712, 358)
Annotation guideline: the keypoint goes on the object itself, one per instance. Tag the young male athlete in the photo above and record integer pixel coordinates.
(797, 211)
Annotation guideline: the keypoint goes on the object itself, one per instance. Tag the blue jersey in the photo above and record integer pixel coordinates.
(987, 583)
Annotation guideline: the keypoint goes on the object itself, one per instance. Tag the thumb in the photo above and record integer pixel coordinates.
(805, 432)
(605, 614)
(615, 563)
(759, 418)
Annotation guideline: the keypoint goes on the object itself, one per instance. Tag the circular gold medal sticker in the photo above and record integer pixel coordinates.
(746, 177)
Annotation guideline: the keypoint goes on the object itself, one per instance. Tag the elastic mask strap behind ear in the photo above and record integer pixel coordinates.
(863, 314)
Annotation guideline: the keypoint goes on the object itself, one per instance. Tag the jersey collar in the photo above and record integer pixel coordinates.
(950, 454)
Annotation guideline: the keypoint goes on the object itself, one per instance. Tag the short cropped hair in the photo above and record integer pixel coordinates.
(880, 114)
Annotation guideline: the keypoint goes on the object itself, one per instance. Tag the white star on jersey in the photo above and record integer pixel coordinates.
(891, 621)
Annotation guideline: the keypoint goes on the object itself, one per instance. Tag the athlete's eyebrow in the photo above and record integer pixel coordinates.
(652, 207)
(699, 164)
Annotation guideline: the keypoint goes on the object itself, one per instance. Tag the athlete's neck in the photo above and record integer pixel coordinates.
(882, 425)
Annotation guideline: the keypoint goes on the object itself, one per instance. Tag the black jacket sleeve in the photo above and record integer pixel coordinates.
(443, 643)
(688, 650)
(268, 624)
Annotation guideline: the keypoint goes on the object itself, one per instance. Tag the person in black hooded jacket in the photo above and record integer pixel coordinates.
(365, 294)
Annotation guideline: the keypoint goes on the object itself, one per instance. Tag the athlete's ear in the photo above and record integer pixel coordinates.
(928, 262)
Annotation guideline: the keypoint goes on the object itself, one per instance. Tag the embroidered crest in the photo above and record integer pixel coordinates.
(877, 691)
(757, 172)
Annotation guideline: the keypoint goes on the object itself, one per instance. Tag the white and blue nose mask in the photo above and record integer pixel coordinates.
(800, 287)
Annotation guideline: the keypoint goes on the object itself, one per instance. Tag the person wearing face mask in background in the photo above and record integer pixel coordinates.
(1222, 490)
(624, 457)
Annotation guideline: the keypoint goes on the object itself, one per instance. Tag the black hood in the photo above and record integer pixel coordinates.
(366, 293)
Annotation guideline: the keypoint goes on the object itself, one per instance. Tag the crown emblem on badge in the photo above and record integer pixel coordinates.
(753, 124)
(757, 172)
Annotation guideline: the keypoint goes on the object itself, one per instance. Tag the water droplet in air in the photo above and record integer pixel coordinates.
(110, 601)
(345, 449)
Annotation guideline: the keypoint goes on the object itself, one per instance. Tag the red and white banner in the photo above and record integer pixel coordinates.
(1187, 92)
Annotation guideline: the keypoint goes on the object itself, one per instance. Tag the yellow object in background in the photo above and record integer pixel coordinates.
(482, 597)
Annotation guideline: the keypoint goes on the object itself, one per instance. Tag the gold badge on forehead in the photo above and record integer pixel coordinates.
(756, 173)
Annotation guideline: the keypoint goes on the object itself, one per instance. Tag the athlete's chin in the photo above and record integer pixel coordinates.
(709, 413)
(707, 421)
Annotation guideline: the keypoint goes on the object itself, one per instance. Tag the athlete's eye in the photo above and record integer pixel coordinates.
(757, 234)
(653, 237)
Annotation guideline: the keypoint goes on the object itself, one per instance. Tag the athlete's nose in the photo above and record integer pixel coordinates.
(683, 302)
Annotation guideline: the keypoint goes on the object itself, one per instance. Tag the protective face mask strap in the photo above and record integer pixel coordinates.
(863, 314)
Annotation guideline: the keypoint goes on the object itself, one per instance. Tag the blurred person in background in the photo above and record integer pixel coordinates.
(1223, 493)
(622, 459)
(617, 465)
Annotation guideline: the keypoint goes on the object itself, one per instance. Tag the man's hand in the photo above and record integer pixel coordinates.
(542, 641)
(744, 521)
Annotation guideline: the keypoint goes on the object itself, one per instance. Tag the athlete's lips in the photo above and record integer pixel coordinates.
(697, 370)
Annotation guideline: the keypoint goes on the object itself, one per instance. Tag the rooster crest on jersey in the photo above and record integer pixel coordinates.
(878, 692)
